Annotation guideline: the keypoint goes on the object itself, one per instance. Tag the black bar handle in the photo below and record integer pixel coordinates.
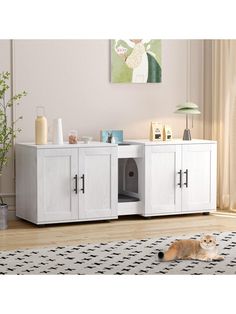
(82, 183)
(186, 176)
(180, 179)
(76, 184)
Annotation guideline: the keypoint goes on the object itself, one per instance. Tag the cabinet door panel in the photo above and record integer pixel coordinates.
(57, 200)
(200, 162)
(98, 177)
(162, 190)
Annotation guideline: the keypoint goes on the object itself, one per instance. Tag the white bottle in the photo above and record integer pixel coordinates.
(41, 127)
(57, 135)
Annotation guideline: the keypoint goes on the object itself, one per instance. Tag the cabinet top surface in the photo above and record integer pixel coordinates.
(170, 142)
(145, 142)
(67, 145)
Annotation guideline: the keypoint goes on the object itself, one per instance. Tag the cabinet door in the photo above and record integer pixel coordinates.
(57, 200)
(98, 183)
(163, 194)
(199, 177)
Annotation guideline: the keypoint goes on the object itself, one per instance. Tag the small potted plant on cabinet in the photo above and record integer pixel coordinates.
(8, 132)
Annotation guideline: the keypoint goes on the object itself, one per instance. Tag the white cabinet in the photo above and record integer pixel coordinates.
(162, 192)
(56, 198)
(66, 183)
(98, 183)
(199, 177)
(180, 178)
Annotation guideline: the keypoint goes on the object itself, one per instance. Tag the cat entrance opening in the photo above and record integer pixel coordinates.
(128, 180)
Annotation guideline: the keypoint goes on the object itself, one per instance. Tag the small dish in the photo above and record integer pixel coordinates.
(86, 139)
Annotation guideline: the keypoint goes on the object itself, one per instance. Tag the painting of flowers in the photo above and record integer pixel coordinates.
(136, 61)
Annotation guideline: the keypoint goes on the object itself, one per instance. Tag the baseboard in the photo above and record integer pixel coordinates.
(12, 215)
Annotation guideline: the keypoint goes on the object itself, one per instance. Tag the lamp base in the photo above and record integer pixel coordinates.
(187, 135)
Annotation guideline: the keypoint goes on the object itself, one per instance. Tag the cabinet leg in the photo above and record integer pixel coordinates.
(206, 213)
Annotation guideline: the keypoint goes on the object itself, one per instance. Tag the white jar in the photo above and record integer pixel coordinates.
(57, 134)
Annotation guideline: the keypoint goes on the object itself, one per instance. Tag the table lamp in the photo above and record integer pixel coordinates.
(187, 108)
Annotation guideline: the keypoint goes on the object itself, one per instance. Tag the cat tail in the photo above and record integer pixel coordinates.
(169, 255)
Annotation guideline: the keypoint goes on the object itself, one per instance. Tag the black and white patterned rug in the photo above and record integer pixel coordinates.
(118, 258)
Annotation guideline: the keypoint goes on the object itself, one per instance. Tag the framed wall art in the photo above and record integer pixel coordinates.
(136, 61)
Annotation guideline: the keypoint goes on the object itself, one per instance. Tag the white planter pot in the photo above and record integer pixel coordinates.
(3, 216)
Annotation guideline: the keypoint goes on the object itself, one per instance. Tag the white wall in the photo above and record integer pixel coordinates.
(71, 78)
(7, 182)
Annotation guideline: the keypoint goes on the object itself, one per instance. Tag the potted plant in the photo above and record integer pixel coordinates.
(8, 132)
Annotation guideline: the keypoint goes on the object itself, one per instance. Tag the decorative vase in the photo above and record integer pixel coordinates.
(57, 134)
(41, 127)
(3, 216)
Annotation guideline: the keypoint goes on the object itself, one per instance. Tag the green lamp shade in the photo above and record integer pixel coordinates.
(188, 108)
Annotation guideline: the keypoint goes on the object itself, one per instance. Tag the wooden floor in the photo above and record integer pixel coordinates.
(22, 234)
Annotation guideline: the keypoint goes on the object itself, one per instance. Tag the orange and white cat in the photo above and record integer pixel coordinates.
(204, 250)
